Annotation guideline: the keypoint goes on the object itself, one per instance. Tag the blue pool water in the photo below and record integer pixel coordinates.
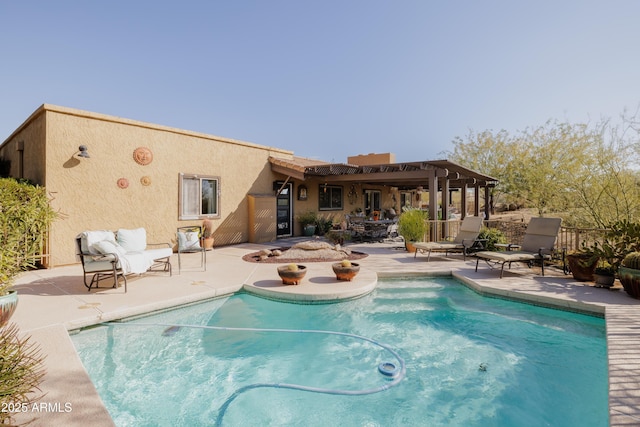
(470, 361)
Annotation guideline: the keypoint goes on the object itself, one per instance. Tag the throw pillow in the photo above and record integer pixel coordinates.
(132, 240)
(188, 241)
(92, 237)
(108, 247)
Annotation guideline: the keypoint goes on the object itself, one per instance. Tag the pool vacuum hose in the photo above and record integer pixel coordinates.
(387, 369)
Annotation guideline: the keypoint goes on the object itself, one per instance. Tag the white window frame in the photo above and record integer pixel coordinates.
(190, 198)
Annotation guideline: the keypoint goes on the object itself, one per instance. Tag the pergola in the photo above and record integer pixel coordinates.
(434, 176)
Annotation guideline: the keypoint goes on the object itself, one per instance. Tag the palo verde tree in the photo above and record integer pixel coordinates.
(607, 187)
(489, 153)
(586, 173)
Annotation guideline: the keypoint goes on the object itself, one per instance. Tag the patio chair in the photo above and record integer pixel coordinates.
(355, 224)
(537, 246)
(466, 239)
(189, 242)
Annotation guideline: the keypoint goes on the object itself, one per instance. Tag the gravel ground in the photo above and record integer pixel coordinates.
(311, 251)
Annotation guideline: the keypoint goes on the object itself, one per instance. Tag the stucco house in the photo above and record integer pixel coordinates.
(106, 172)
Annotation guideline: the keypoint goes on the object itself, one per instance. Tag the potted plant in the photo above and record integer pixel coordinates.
(308, 222)
(291, 274)
(583, 264)
(629, 274)
(207, 234)
(412, 226)
(604, 276)
(345, 270)
(620, 238)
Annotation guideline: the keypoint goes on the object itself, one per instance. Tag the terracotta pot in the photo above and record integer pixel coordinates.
(410, 247)
(8, 304)
(630, 279)
(291, 277)
(581, 270)
(345, 273)
(207, 243)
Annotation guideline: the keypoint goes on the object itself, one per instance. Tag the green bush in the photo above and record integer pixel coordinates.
(25, 217)
(493, 236)
(307, 218)
(323, 224)
(412, 225)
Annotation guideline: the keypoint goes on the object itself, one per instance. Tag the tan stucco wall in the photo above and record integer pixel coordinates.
(31, 139)
(86, 194)
(87, 197)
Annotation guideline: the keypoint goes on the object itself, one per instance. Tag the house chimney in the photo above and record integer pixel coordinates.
(372, 159)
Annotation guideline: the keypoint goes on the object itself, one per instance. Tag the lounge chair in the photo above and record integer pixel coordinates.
(466, 238)
(537, 246)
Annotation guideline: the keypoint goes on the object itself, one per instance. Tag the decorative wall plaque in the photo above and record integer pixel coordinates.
(143, 156)
(302, 192)
(145, 180)
(123, 183)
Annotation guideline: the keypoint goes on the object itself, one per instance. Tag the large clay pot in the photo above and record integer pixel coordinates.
(410, 247)
(291, 277)
(345, 273)
(630, 279)
(207, 243)
(582, 266)
(8, 304)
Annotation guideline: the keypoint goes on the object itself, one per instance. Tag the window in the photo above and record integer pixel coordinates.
(199, 196)
(372, 201)
(405, 199)
(330, 197)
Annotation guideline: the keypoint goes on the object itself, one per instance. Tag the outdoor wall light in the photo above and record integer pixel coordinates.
(83, 152)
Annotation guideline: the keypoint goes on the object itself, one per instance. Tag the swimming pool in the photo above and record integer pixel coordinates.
(470, 361)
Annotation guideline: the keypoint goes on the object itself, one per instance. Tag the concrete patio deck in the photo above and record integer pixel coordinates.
(55, 301)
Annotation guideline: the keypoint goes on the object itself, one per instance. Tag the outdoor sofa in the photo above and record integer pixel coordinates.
(107, 254)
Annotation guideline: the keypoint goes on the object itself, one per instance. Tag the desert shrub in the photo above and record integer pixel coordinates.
(21, 370)
(493, 236)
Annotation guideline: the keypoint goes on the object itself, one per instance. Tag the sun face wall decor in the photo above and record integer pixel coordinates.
(143, 156)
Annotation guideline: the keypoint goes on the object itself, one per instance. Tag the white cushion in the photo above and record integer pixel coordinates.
(154, 254)
(108, 247)
(98, 266)
(132, 240)
(188, 241)
(89, 238)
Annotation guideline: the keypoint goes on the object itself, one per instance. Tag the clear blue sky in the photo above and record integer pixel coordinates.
(326, 79)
